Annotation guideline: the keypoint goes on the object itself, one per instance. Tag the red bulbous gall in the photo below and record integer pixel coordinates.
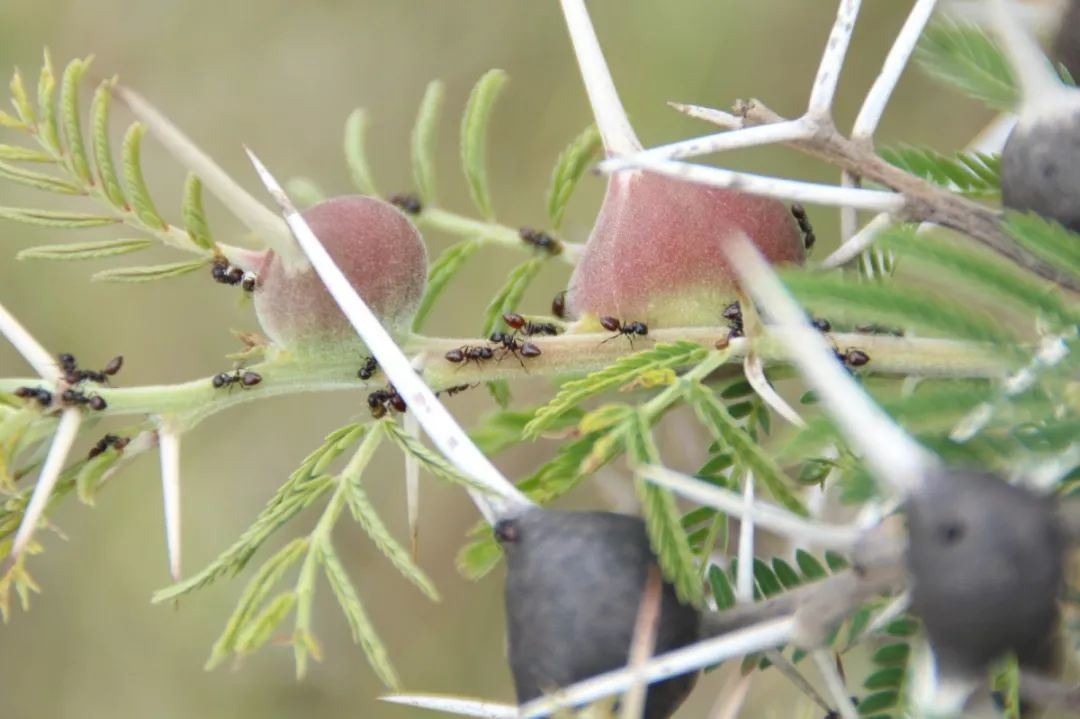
(656, 251)
(375, 246)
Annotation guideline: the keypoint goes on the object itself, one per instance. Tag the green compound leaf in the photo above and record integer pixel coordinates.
(198, 228)
(423, 141)
(70, 116)
(252, 598)
(366, 516)
(571, 165)
(53, 218)
(38, 180)
(101, 146)
(748, 453)
(474, 127)
(356, 153)
(625, 369)
(15, 153)
(965, 57)
(84, 250)
(149, 274)
(259, 630)
(1047, 239)
(363, 631)
(47, 128)
(440, 273)
(21, 100)
(136, 183)
(975, 174)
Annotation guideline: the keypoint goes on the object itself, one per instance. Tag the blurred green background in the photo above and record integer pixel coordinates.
(282, 77)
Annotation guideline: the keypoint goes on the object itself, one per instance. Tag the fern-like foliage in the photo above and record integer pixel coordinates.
(974, 174)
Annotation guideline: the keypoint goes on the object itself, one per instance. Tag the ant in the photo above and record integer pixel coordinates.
(369, 368)
(228, 274)
(821, 325)
(799, 213)
(540, 240)
(245, 380)
(382, 400)
(74, 397)
(518, 323)
(558, 305)
(852, 357)
(43, 396)
(407, 202)
(733, 314)
(469, 353)
(510, 344)
(109, 440)
(74, 375)
(629, 329)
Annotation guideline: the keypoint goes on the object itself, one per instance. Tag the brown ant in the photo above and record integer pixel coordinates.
(627, 329)
(558, 305)
(852, 357)
(227, 274)
(469, 353)
(73, 375)
(407, 202)
(540, 240)
(43, 396)
(369, 368)
(451, 391)
(382, 400)
(733, 314)
(109, 440)
(519, 324)
(799, 213)
(75, 398)
(245, 379)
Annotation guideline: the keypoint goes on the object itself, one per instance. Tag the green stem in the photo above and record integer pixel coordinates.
(487, 232)
(191, 402)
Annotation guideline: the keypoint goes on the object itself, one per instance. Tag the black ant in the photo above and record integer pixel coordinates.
(382, 400)
(407, 202)
(469, 353)
(109, 440)
(369, 368)
(629, 329)
(733, 314)
(853, 357)
(821, 325)
(558, 305)
(43, 396)
(799, 213)
(245, 379)
(74, 397)
(228, 274)
(74, 375)
(518, 323)
(540, 240)
(511, 345)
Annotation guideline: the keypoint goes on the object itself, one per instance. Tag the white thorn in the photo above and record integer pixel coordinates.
(744, 581)
(832, 60)
(808, 192)
(755, 375)
(455, 705)
(771, 517)
(881, 91)
(890, 452)
(253, 214)
(858, 243)
(169, 449)
(709, 114)
(834, 684)
(66, 430)
(642, 645)
(31, 350)
(615, 128)
(719, 142)
(505, 499)
(412, 486)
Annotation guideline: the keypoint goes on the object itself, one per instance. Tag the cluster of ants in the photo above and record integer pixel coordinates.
(852, 357)
(228, 274)
(73, 376)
